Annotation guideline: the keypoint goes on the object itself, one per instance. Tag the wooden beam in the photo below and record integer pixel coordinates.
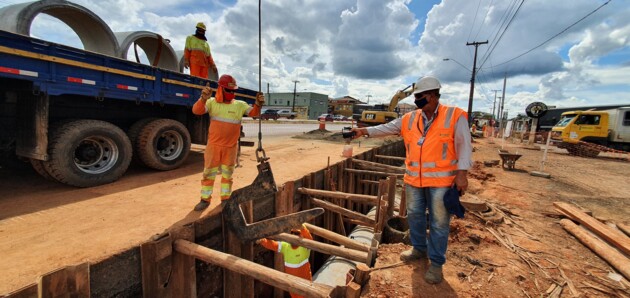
(615, 237)
(391, 196)
(376, 173)
(379, 166)
(390, 157)
(184, 277)
(362, 274)
(357, 222)
(339, 239)
(269, 276)
(324, 248)
(403, 202)
(624, 228)
(613, 257)
(343, 211)
(365, 199)
(353, 290)
(70, 281)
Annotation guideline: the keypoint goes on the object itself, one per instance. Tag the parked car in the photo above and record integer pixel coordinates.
(269, 114)
(325, 117)
(340, 118)
(286, 114)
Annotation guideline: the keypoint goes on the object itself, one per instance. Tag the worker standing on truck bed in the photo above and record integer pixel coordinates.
(439, 152)
(295, 257)
(197, 53)
(226, 114)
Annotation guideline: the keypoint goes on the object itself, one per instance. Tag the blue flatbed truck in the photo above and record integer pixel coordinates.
(80, 117)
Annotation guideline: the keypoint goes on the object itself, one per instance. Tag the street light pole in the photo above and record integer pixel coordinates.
(368, 97)
(495, 103)
(294, 89)
(472, 79)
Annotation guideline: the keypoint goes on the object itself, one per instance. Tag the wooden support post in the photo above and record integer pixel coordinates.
(613, 257)
(337, 238)
(284, 206)
(269, 276)
(615, 237)
(70, 281)
(247, 252)
(156, 259)
(232, 287)
(328, 249)
(365, 199)
(353, 290)
(362, 274)
(184, 277)
(403, 202)
(391, 196)
(343, 211)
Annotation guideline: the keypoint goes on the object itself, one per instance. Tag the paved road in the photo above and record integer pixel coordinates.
(287, 127)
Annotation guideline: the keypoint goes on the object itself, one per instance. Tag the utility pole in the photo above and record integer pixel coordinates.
(502, 102)
(268, 94)
(472, 79)
(494, 104)
(368, 97)
(294, 88)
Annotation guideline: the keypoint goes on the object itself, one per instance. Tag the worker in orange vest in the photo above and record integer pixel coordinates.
(439, 153)
(295, 257)
(197, 55)
(226, 114)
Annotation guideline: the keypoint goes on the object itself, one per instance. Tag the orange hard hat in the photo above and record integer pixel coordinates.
(227, 81)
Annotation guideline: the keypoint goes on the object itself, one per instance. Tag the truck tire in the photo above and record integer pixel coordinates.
(38, 166)
(133, 133)
(87, 153)
(163, 144)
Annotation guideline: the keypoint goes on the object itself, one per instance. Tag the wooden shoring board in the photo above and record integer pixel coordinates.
(157, 263)
(70, 281)
(184, 277)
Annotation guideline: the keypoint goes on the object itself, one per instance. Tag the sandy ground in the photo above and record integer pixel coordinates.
(45, 225)
(479, 265)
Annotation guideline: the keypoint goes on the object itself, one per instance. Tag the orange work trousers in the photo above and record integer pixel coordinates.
(218, 159)
(304, 272)
(199, 70)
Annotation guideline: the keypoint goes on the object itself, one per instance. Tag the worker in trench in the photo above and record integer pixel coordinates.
(439, 153)
(197, 54)
(295, 257)
(226, 114)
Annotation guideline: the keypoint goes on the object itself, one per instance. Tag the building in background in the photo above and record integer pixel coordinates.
(307, 105)
(344, 105)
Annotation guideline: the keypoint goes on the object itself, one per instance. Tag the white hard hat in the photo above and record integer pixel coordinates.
(425, 84)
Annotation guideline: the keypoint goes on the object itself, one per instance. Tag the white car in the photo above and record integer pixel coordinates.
(340, 118)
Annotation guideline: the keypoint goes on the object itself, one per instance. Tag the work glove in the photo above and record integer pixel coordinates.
(260, 99)
(258, 241)
(186, 64)
(206, 92)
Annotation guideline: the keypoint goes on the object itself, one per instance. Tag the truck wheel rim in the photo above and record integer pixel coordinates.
(170, 145)
(96, 155)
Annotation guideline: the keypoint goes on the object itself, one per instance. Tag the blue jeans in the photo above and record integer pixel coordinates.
(418, 200)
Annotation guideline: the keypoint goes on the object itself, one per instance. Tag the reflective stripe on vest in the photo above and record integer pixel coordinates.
(293, 258)
(433, 163)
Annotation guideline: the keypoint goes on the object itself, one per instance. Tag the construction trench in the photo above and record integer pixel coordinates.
(206, 258)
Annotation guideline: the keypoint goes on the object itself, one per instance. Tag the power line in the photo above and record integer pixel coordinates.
(546, 41)
(500, 37)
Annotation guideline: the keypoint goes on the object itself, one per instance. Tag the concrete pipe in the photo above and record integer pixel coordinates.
(93, 32)
(152, 44)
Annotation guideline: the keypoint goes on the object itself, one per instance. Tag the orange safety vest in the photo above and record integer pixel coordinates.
(431, 158)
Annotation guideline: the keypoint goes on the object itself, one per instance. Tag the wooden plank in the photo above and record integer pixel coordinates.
(70, 281)
(29, 291)
(615, 237)
(391, 196)
(156, 265)
(184, 277)
(353, 290)
(328, 249)
(343, 211)
(231, 279)
(366, 199)
(376, 173)
(624, 228)
(612, 256)
(403, 202)
(269, 276)
(247, 252)
(337, 238)
(398, 158)
(284, 206)
(369, 165)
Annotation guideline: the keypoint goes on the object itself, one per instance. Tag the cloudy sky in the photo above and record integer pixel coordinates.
(563, 53)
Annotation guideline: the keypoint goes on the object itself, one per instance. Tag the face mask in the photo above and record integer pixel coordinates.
(420, 103)
(228, 96)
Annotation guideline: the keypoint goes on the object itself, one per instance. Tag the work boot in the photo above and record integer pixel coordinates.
(202, 205)
(434, 275)
(412, 255)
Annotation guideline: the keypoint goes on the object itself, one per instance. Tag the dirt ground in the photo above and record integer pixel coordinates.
(535, 251)
(45, 225)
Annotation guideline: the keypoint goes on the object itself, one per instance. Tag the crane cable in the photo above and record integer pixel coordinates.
(263, 157)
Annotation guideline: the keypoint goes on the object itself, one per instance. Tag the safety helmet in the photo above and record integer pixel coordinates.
(201, 25)
(227, 81)
(426, 84)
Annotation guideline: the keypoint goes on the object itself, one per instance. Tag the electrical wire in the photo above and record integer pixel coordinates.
(500, 37)
(551, 38)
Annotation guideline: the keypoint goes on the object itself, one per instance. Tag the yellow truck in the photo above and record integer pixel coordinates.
(589, 132)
